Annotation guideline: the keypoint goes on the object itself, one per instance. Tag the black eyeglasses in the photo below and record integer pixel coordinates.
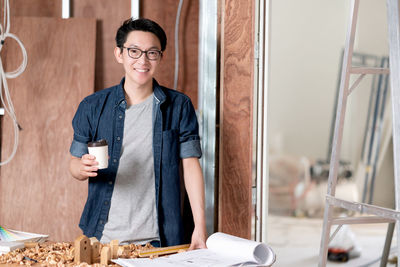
(135, 53)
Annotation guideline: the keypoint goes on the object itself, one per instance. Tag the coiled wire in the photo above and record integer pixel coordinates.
(4, 91)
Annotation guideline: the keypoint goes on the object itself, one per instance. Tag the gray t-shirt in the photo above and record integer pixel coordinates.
(133, 215)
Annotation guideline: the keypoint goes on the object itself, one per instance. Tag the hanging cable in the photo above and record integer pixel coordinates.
(7, 103)
(178, 16)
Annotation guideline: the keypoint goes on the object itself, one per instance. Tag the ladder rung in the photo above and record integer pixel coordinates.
(363, 208)
(361, 220)
(363, 70)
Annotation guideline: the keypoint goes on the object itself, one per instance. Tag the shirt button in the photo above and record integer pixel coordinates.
(118, 138)
(120, 116)
(106, 202)
(101, 222)
(110, 182)
(115, 160)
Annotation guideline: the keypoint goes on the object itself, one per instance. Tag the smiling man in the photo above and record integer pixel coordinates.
(150, 131)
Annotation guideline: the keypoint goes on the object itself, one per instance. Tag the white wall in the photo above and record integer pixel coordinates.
(307, 38)
(306, 42)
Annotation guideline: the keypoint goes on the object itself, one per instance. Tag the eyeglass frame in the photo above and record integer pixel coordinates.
(143, 52)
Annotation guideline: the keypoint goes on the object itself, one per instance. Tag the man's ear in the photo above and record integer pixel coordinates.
(118, 54)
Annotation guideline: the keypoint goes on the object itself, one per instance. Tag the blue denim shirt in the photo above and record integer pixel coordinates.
(175, 136)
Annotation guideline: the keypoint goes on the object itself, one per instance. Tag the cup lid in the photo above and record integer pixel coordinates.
(101, 142)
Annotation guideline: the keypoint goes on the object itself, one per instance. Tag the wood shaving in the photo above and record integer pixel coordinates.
(59, 254)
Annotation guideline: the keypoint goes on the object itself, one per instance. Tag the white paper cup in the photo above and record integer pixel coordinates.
(99, 149)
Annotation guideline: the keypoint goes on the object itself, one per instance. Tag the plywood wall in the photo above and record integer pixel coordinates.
(109, 16)
(164, 12)
(235, 209)
(37, 193)
(37, 8)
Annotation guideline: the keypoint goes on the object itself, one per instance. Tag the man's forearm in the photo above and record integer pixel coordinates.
(194, 185)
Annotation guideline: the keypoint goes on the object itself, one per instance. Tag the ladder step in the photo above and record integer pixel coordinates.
(364, 70)
(361, 220)
(363, 208)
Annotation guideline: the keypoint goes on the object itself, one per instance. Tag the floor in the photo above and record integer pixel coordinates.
(296, 242)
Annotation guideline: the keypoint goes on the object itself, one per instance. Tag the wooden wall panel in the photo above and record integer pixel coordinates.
(37, 193)
(237, 44)
(38, 8)
(109, 15)
(164, 13)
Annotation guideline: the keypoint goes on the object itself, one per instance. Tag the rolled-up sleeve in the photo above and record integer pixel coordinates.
(189, 138)
(82, 133)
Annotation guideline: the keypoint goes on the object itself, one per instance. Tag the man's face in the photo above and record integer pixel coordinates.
(139, 71)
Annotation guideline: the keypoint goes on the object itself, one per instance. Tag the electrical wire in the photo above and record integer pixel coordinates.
(7, 102)
(178, 16)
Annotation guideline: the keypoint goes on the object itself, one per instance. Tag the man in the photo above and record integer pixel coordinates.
(150, 130)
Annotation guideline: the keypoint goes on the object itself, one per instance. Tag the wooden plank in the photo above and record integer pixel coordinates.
(38, 8)
(144, 253)
(37, 193)
(109, 16)
(35, 8)
(235, 201)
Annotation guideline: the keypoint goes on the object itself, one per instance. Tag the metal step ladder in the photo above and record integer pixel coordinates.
(376, 214)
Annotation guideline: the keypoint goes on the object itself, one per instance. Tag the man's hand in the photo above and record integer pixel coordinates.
(198, 239)
(83, 168)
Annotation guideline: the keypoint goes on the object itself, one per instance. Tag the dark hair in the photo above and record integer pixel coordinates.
(142, 24)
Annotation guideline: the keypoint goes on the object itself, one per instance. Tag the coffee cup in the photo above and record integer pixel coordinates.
(99, 149)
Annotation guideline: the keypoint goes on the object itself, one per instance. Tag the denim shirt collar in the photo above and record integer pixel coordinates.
(159, 95)
(120, 95)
